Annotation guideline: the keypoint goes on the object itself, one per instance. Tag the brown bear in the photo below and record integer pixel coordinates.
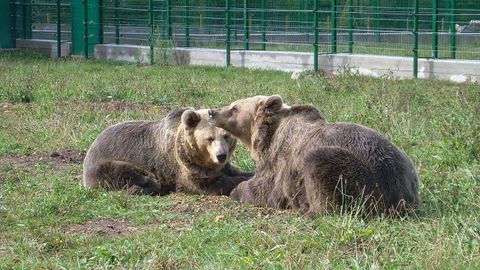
(309, 164)
(181, 152)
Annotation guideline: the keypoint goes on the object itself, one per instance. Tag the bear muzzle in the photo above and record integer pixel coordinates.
(222, 158)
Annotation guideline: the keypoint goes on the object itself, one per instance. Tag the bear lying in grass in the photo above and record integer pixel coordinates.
(309, 164)
(181, 152)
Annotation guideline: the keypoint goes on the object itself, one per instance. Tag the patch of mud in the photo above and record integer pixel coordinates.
(106, 227)
(59, 160)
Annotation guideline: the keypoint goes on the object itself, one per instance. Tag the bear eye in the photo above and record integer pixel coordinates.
(210, 139)
(226, 136)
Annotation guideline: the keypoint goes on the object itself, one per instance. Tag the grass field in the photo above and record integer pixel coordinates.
(51, 111)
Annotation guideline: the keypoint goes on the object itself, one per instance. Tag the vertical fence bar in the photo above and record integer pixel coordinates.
(350, 26)
(227, 34)
(315, 35)
(453, 30)
(59, 31)
(246, 42)
(117, 22)
(24, 19)
(13, 26)
(333, 26)
(434, 29)
(28, 20)
(264, 27)
(150, 26)
(187, 24)
(377, 20)
(99, 5)
(415, 38)
(85, 29)
(169, 20)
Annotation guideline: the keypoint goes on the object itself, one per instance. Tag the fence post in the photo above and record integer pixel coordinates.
(85, 29)
(434, 29)
(25, 20)
(150, 26)
(333, 26)
(85, 20)
(350, 26)
(169, 19)
(227, 28)
(59, 31)
(7, 24)
(22, 17)
(117, 23)
(246, 34)
(315, 35)
(187, 24)
(415, 38)
(28, 21)
(264, 27)
(453, 30)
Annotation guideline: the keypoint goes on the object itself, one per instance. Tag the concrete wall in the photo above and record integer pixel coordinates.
(128, 53)
(369, 65)
(45, 47)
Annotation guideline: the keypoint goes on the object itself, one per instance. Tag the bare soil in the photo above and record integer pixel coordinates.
(62, 156)
(208, 203)
(59, 160)
(106, 227)
(5, 106)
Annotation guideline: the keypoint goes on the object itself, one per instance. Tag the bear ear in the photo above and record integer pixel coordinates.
(190, 119)
(273, 103)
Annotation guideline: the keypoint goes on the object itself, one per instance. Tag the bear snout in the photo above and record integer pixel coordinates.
(222, 157)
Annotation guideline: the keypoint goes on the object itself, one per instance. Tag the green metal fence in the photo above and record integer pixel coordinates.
(413, 28)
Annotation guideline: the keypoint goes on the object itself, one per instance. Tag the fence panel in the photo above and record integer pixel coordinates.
(446, 28)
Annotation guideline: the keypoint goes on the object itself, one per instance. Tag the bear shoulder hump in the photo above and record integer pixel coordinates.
(308, 112)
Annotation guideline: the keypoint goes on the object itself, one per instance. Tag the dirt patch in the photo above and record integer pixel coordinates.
(5, 106)
(107, 227)
(221, 204)
(59, 160)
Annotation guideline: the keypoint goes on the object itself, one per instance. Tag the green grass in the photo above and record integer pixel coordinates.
(48, 221)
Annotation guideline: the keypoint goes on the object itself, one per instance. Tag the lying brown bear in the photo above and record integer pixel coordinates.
(181, 152)
(309, 164)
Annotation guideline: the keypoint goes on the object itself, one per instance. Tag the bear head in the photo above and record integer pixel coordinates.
(239, 117)
(207, 146)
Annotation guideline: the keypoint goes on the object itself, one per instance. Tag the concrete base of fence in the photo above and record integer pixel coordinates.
(369, 65)
(46, 47)
(128, 53)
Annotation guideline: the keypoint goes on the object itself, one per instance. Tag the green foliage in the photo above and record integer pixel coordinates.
(48, 221)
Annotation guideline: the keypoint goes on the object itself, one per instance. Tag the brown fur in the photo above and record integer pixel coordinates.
(181, 152)
(309, 164)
